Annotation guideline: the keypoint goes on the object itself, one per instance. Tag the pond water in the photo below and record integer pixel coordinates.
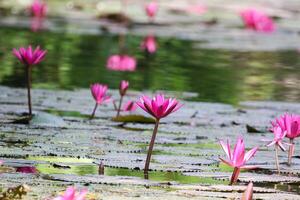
(76, 61)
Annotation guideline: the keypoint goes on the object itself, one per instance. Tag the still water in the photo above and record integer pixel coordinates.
(76, 61)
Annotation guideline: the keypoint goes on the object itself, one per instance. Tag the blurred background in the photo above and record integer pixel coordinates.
(199, 47)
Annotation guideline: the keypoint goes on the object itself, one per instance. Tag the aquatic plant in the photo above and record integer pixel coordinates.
(238, 158)
(149, 44)
(27, 170)
(99, 93)
(129, 106)
(121, 63)
(38, 8)
(289, 123)
(70, 194)
(257, 20)
(151, 9)
(29, 58)
(248, 194)
(159, 107)
(279, 135)
(122, 90)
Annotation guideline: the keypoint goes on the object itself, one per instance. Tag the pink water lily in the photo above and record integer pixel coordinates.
(122, 90)
(129, 106)
(71, 194)
(149, 44)
(238, 158)
(248, 194)
(159, 107)
(29, 57)
(121, 63)
(257, 20)
(99, 93)
(290, 124)
(38, 8)
(151, 9)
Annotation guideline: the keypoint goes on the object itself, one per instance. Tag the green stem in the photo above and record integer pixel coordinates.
(276, 158)
(120, 104)
(94, 111)
(151, 145)
(291, 152)
(28, 74)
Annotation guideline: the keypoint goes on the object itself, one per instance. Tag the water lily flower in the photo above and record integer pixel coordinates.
(1, 162)
(238, 158)
(279, 135)
(99, 93)
(248, 194)
(149, 44)
(122, 90)
(27, 170)
(257, 20)
(38, 8)
(151, 9)
(289, 123)
(70, 194)
(29, 57)
(121, 63)
(159, 107)
(129, 106)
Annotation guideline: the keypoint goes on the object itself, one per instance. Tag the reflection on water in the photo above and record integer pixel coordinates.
(216, 75)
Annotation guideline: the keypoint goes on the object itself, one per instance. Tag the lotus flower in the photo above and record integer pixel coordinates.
(247, 195)
(159, 107)
(99, 93)
(149, 44)
(27, 170)
(151, 9)
(257, 20)
(290, 124)
(238, 158)
(122, 90)
(123, 87)
(70, 194)
(38, 8)
(29, 57)
(129, 106)
(121, 63)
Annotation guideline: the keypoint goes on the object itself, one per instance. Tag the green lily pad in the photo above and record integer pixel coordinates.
(134, 118)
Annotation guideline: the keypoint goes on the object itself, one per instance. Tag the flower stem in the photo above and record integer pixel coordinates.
(235, 175)
(276, 158)
(28, 74)
(94, 111)
(120, 104)
(291, 152)
(151, 145)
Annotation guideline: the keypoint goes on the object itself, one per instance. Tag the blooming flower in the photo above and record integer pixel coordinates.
(129, 106)
(121, 63)
(99, 93)
(38, 8)
(238, 158)
(149, 44)
(28, 56)
(279, 135)
(151, 9)
(257, 20)
(290, 124)
(123, 87)
(70, 194)
(158, 107)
